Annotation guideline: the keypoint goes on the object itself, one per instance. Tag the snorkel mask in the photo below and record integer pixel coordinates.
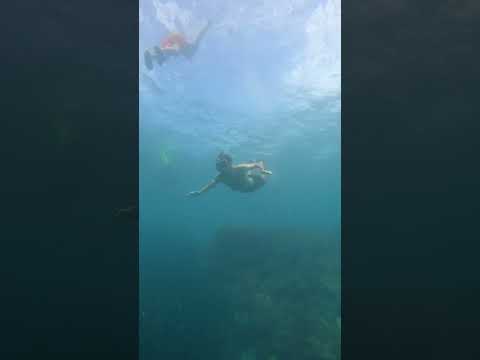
(223, 161)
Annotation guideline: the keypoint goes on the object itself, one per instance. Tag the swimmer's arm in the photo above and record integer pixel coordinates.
(201, 34)
(207, 187)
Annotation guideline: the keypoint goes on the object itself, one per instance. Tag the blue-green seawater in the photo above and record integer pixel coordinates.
(230, 275)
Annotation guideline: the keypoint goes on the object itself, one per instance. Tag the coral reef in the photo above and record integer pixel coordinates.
(281, 288)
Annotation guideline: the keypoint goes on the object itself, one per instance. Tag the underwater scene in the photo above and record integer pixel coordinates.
(240, 132)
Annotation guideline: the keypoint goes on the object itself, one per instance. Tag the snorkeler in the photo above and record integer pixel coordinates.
(241, 177)
(174, 44)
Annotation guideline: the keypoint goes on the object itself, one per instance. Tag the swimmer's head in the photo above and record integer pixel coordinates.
(223, 162)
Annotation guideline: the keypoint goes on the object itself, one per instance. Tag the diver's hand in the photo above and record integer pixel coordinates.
(193, 193)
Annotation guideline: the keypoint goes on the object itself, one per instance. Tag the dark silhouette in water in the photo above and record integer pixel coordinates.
(174, 44)
(129, 213)
(239, 177)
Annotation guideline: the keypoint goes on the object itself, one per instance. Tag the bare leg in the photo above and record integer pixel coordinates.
(191, 49)
(202, 32)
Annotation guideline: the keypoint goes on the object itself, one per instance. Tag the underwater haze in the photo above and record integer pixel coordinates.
(228, 275)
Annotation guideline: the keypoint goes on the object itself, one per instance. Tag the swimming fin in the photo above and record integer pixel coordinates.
(148, 60)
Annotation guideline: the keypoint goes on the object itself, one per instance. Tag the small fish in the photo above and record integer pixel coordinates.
(130, 213)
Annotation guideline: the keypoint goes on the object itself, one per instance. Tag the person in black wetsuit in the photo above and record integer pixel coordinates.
(245, 177)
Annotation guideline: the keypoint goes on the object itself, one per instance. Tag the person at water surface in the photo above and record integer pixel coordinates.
(245, 177)
(174, 44)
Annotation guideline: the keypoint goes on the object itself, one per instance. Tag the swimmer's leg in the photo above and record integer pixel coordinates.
(202, 32)
(192, 48)
(259, 162)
